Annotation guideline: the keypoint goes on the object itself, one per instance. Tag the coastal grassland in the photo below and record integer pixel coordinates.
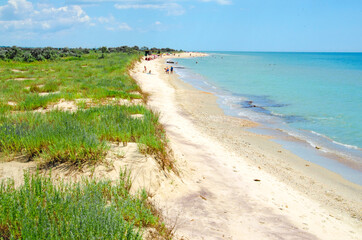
(40, 209)
(32, 129)
(81, 136)
(89, 77)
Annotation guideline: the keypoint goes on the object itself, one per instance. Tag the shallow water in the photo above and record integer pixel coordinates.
(314, 97)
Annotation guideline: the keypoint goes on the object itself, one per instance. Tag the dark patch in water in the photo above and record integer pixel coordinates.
(260, 103)
(250, 104)
(293, 118)
(279, 105)
(264, 101)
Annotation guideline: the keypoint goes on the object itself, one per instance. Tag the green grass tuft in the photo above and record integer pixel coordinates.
(39, 209)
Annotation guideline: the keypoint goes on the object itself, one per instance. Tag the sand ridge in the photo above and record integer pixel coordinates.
(225, 190)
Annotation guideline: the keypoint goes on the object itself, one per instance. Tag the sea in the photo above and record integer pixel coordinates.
(310, 102)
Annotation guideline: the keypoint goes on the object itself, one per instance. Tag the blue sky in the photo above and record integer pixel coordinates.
(207, 25)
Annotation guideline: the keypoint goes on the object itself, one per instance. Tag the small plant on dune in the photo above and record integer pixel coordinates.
(50, 86)
(82, 104)
(34, 89)
(35, 101)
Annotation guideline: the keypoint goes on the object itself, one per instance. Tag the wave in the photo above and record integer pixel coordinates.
(335, 142)
(347, 146)
(326, 144)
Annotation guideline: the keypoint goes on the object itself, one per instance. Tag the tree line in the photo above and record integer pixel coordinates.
(21, 54)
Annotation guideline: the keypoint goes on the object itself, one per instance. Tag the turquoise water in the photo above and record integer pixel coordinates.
(316, 97)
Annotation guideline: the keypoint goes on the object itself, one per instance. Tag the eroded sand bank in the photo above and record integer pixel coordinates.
(239, 185)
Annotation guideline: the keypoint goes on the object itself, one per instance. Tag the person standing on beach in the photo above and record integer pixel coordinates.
(171, 69)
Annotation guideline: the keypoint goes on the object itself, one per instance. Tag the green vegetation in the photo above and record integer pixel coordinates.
(95, 83)
(86, 77)
(82, 136)
(41, 54)
(40, 209)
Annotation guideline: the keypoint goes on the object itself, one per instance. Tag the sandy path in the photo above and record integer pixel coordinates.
(217, 196)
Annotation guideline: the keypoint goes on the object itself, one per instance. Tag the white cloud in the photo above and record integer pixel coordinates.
(119, 27)
(105, 19)
(15, 9)
(23, 15)
(124, 26)
(111, 24)
(171, 8)
(148, 2)
(221, 2)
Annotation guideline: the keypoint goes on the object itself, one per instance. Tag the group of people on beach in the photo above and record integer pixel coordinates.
(168, 70)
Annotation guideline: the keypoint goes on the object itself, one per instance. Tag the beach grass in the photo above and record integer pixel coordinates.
(82, 136)
(89, 209)
(70, 78)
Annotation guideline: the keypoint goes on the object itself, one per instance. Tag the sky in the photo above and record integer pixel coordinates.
(203, 25)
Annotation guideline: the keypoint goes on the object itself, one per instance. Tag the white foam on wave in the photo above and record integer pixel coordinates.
(277, 114)
(347, 145)
(231, 100)
(326, 145)
(301, 137)
(335, 142)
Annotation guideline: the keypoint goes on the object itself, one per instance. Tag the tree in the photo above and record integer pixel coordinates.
(27, 57)
(13, 52)
(104, 49)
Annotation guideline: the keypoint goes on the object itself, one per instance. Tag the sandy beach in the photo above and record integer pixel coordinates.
(235, 184)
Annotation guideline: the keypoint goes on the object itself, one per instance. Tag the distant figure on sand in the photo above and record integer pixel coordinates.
(149, 72)
(171, 69)
(145, 70)
(167, 70)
